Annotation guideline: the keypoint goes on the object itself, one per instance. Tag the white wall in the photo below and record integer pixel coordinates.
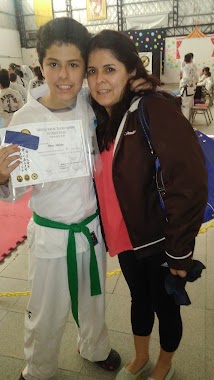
(202, 48)
(10, 49)
(30, 57)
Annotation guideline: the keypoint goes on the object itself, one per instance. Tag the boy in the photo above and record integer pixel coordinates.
(62, 47)
(10, 100)
(188, 85)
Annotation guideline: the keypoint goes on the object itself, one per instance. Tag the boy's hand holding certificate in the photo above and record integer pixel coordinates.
(49, 152)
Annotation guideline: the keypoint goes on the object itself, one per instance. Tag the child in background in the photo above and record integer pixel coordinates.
(18, 87)
(13, 68)
(27, 73)
(10, 100)
(38, 79)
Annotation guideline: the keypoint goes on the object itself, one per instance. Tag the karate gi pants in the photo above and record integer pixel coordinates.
(48, 309)
(187, 102)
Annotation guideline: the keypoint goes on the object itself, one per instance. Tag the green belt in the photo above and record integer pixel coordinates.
(72, 259)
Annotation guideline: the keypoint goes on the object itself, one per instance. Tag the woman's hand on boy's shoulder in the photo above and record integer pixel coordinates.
(7, 164)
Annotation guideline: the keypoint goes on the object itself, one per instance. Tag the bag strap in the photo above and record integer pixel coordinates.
(145, 126)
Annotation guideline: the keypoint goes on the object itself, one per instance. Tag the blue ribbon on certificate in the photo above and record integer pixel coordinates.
(25, 140)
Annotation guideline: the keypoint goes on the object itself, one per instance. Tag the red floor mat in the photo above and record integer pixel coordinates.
(14, 218)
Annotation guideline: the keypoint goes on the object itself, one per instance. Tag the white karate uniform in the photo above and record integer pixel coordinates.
(22, 90)
(66, 201)
(187, 88)
(28, 75)
(35, 82)
(10, 102)
(25, 83)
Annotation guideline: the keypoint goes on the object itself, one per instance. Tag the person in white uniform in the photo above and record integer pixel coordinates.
(38, 79)
(13, 68)
(18, 87)
(27, 73)
(62, 211)
(188, 86)
(10, 99)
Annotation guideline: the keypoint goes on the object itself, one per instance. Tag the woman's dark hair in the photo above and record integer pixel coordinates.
(124, 51)
(62, 30)
(38, 73)
(21, 74)
(15, 68)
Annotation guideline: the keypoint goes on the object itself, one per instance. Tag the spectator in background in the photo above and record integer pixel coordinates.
(205, 86)
(188, 85)
(25, 83)
(202, 75)
(10, 100)
(38, 79)
(27, 72)
(18, 87)
(208, 82)
(208, 88)
(13, 68)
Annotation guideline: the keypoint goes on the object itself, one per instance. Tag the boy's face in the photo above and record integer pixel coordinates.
(64, 71)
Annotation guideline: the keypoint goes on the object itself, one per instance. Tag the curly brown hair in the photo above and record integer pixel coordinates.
(62, 30)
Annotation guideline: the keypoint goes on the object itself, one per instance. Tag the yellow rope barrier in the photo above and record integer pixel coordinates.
(116, 271)
(15, 294)
(202, 230)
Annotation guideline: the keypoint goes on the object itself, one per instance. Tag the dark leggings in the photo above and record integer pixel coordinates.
(145, 278)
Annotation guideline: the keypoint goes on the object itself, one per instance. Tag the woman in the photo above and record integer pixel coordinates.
(132, 217)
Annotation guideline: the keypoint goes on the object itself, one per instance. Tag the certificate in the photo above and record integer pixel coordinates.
(54, 151)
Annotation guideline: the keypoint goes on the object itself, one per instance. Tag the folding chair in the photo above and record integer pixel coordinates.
(202, 109)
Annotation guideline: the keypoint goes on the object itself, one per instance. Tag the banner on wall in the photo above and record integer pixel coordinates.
(147, 22)
(146, 58)
(43, 11)
(96, 10)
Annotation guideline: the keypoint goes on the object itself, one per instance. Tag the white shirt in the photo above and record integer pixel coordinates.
(67, 201)
(209, 84)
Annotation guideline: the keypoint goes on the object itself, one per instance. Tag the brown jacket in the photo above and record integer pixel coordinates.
(185, 179)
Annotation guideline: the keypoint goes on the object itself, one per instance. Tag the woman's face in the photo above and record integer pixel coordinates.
(107, 78)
